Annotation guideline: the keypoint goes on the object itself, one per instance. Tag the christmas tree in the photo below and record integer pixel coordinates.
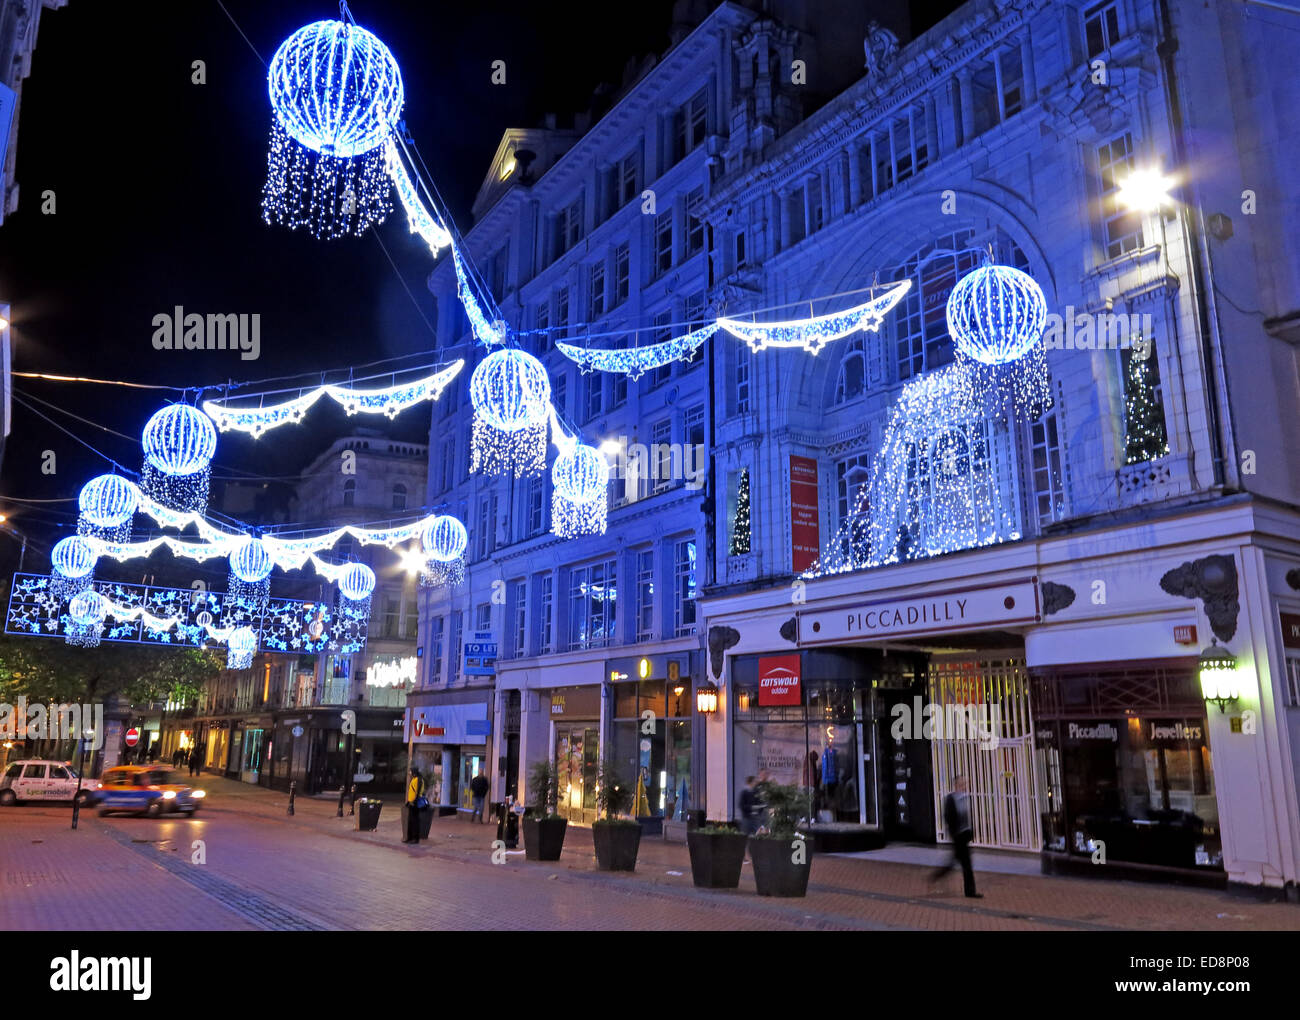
(740, 533)
(1144, 417)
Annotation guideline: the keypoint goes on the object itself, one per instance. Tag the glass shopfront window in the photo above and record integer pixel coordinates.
(1141, 787)
(652, 739)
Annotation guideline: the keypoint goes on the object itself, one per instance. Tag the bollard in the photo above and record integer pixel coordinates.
(293, 791)
(352, 809)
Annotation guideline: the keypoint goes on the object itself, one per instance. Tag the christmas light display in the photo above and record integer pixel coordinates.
(73, 557)
(389, 401)
(511, 395)
(941, 479)
(1145, 435)
(634, 362)
(108, 502)
(356, 582)
(179, 442)
(240, 648)
(86, 611)
(250, 572)
(443, 543)
(336, 94)
(740, 524)
(421, 221)
(996, 314)
(814, 333)
(489, 334)
(578, 499)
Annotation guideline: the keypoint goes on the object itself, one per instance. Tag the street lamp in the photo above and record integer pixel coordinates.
(706, 698)
(1145, 190)
(1219, 682)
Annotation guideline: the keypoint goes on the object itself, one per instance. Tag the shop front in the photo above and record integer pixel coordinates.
(450, 742)
(575, 714)
(1127, 787)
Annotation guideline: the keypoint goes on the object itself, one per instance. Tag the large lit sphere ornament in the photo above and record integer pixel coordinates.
(240, 648)
(336, 94)
(108, 501)
(996, 314)
(73, 557)
(179, 442)
(511, 394)
(357, 582)
(250, 562)
(88, 608)
(445, 539)
(578, 503)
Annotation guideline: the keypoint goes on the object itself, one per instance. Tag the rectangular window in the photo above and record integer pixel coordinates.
(436, 630)
(560, 393)
(664, 241)
(411, 621)
(911, 152)
(593, 386)
(684, 588)
(542, 324)
(593, 601)
(448, 463)
(570, 226)
(483, 616)
(561, 330)
(694, 222)
(852, 489)
(645, 595)
(1123, 227)
(694, 309)
(625, 177)
(519, 611)
(596, 281)
(453, 671)
(545, 614)
(1101, 27)
(1011, 82)
(742, 255)
(884, 167)
(661, 454)
(618, 386)
(743, 365)
(622, 273)
(1145, 437)
(663, 332)
(1048, 479)
(485, 523)
(536, 506)
(691, 124)
(816, 208)
(695, 441)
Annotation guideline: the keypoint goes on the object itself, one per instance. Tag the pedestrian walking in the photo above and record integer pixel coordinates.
(957, 819)
(478, 788)
(196, 760)
(750, 808)
(414, 800)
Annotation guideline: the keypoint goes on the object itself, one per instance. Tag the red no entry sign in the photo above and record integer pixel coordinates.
(132, 736)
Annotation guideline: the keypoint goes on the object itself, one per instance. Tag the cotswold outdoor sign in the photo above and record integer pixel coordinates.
(951, 610)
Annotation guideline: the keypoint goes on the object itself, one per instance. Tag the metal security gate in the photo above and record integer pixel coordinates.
(982, 729)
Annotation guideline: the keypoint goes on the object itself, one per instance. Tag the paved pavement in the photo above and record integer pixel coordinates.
(243, 864)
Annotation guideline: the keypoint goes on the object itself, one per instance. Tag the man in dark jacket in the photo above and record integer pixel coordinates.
(478, 788)
(957, 820)
(751, 808)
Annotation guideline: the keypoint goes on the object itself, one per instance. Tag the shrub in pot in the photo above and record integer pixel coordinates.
(617, 839)
(717, 853)
(782, 857)
(544, 829)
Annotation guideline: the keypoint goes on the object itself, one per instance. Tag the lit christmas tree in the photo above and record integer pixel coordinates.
(1144, 417)
(740, 531)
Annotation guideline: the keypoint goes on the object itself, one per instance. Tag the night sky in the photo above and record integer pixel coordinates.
(157, 185)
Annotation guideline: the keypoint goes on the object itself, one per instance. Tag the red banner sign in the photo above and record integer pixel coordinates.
(778, 680)
(805, 531)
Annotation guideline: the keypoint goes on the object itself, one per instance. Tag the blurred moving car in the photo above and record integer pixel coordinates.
(145, 790)
(33, 779)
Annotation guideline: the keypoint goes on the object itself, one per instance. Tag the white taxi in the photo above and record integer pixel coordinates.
(32, 780)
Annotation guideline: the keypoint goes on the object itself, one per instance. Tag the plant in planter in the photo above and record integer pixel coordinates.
(617, 839)
(782, 857)
(717, 853)
(544, 829)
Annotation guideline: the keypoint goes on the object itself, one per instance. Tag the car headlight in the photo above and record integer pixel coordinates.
(169, 794)
(197, 794)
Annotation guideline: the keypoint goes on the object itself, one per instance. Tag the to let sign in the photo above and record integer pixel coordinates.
(779, 681)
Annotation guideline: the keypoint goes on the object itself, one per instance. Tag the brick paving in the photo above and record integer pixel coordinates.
(266, 870)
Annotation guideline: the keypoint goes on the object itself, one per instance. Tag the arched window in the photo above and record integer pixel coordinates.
(349, 492)
(399, 496)
(852, 378)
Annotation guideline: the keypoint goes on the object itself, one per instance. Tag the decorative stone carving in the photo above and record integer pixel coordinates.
(881, 49)
(1293, 578)
(1056, 597)
(1213, 580)
(720, 639)
(790, 630)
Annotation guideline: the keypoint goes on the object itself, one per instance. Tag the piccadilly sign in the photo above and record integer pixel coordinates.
(958, 609)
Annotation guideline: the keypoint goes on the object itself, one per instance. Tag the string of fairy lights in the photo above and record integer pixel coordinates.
(338, 152)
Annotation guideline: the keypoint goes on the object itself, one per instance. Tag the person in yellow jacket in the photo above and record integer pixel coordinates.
(414, 794)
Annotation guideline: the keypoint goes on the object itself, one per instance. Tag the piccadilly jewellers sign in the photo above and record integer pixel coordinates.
(955, 609)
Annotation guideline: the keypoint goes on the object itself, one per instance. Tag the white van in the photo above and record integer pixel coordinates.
(33, 780)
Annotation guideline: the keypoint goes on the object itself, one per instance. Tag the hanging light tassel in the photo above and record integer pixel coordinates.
(86, 612)
(107, 505)
(249, 585)
(579, 503)
(241, 646)
(179, 442)
(444, 543)
(512, 401)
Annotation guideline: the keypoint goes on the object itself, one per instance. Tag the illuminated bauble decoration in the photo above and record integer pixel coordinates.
(179, 440)
(335, 88)
(240, 648)
(88, 608)
(336, 94)
(445, 539)
(357, 582)
(578, 502)
(996, 314)
(108, 501)
(250, 562)
(510, 390)
(73, 557)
